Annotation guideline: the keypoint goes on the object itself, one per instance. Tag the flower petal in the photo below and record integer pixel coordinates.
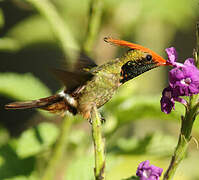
(172, 55)
(145, 171)
(189, 61)
(167, 102)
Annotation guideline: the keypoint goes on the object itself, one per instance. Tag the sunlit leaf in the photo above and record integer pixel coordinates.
(24, 32)
(140, 107)
(9, 44)
(30, 144)
(22, 86)
(177, 12)
(133, 108)
(155, 144)
(81, 167)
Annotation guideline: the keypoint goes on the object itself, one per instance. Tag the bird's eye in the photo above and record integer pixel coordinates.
(129, 63)
(148, 57)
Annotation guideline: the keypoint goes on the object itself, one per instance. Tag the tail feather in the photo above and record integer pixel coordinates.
(43, 102)
(22, 105)
(54, 104)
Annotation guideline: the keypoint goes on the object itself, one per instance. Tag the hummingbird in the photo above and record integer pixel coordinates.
(90, 85)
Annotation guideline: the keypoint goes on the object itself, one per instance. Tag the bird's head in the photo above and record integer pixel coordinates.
(137, 60)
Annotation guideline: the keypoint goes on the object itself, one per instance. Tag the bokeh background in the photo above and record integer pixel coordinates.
(135, 128)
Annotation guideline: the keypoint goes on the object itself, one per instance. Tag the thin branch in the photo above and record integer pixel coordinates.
(197, 45)
(93, 24)
(59, 27)
(92, 32)
(98, 145)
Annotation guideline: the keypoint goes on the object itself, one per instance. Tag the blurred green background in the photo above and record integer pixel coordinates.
(135, 128)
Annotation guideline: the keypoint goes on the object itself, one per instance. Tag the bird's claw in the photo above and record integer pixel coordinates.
(102, 119)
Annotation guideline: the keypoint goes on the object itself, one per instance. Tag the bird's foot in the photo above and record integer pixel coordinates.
(102, 119)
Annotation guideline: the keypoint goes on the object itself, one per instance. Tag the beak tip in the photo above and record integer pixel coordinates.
(168, 63)
(165, 63)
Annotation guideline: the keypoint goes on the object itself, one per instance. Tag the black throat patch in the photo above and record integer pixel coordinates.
(132, 69)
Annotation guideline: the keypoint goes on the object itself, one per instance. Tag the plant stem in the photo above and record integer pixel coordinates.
(186, 125)
(98, 145)
(59, 149)
(183, 141)
(92, 31)
(59, 27)
(196, 53)
(93, 24)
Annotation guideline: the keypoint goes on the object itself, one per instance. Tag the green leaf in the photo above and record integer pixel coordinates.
(12, 166)
(132, 178)
(9, 44)
(125, 109)
(22, 86)
(81, 167)
(18, 178)
(168, 11)
(140, 107)
(24, 33)
(153, 144)
(32, 142)
(1, 19)
(176, 12)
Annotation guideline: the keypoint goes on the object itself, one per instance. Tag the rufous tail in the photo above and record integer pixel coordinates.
(55, 104)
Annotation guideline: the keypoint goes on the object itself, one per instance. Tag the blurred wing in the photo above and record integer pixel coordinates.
(75, 76)
(72, 80)
(84, 63)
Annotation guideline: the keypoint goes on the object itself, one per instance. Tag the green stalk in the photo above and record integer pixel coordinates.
(184, 138)
(60, 29)
(93, 24)
(59, 149)
(94, 21)
(98, 145)
(186, 126)
(196, 53)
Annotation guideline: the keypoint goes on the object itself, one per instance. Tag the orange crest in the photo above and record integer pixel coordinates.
(156, 57)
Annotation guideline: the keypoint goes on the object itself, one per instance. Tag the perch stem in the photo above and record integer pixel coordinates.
(98, 145)
(186, 124)
(95, 13)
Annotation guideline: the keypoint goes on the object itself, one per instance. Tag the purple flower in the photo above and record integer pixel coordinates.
(189, 61)
(183, 81)
(172, 55)
(167, 100)
(169, 96)
(148, 172)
